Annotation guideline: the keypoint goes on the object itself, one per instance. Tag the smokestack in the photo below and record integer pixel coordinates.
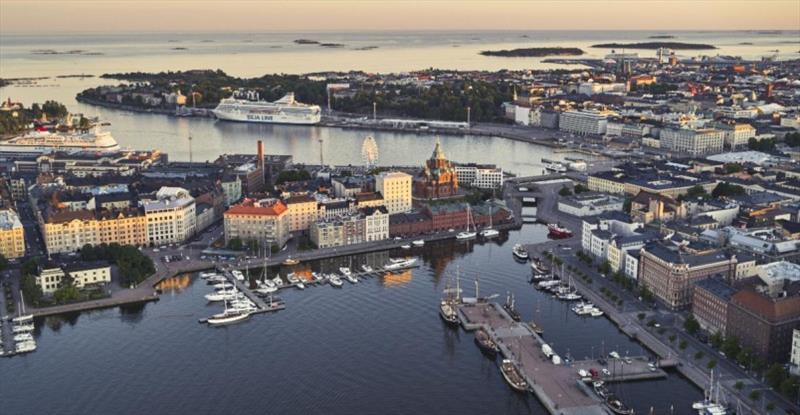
(261, 155)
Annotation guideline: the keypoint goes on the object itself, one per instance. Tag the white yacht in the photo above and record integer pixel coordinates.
(335, 281)
(396, 264)
(418, 242)
(469, 232)
(283, 111)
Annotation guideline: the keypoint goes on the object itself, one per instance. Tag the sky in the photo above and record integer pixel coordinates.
(126, 16)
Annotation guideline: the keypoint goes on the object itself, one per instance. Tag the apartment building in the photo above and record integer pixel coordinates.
(479, 176)
(583, 122)
(694, 142)
(67, 231)
(395, 186)
(12, 234)
(171, 216)
(264, 221)
(302, 211)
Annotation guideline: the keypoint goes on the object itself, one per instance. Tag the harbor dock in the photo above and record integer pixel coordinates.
(559, 387)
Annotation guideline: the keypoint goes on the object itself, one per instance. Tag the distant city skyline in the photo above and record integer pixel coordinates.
(124, 16)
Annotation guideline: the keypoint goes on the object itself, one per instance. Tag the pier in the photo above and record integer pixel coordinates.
(559, 387)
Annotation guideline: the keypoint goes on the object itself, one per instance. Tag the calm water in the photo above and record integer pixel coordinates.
(375, 347)
(340, 147)
(255, 54)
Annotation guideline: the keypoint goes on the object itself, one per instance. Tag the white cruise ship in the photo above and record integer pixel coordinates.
(41, 142)
(283, 111)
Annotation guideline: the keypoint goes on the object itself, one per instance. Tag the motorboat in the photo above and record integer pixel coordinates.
(216, 279)
(489, 233)
(366, 268)
(617, 406)
(418, 242)
(23, 337)
(613, 355)
(25, 328)
(485, 343)
(23, 319)
(539, 269)
(25, 347)
(405, 246)
(300, 286)
(292, 278)
(207, 275)
(465, 235)
(335, 281)
(345, 271)
(399, 263)
(291, 261)
(512, 376)
(238, 275)
(447, 310)
(557, 231)
(520, 252)
(278, 281)
(223, 286)
(221, 296)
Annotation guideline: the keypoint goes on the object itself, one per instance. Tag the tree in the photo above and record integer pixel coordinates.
(716, 340)
(30, 289)
(235, 244)
(728, 190)
(792, 139)
(731, 347)
(30, 267)
(696, 192)
(712, 363)
(738, 385)
(67, 291)
(683, 345)
(3, 262)
(775, 375)
(732, 168)
(580, 188)
(765, 144)
(691, 325)
(564, 191)
(743, 357)
(755, 395)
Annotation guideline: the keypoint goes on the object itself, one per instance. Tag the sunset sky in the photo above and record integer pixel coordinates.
(55, 16)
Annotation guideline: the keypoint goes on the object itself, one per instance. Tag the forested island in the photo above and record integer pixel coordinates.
(395, 95)
(18, 120)
(656, 45)
(534, 52)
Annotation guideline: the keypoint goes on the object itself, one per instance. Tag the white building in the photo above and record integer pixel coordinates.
(583, 122)
(590, 204)
(794, 357)
(592, 88)
(522, 115)
(377, 223)
(232, 188)
(737, 135)
(395, 186)
(82, 273)
(775, 274)
(482, 177)
(691, 141)
(171, 217)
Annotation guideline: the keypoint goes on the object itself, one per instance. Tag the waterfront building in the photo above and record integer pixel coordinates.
(302, 210)
(694, 142)
(395, 186)
(479, 176)
(613, 222)
(583, 122)
(710, 300)
(367, 224)
(12, 234)
(794, 358)
(765, 323)
(438, 178)
(263, 221)
(83, 274)
(376, 223)
(171, 216)
(69, 231)
(232, 188)
(670, 273)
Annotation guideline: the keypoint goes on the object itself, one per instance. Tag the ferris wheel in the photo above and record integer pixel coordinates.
(369, 152)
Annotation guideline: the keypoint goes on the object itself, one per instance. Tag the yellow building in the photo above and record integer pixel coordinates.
(303, 211)
(68, 231)
(395, 186)
(369, 199)
(602, 184)
(12, 234)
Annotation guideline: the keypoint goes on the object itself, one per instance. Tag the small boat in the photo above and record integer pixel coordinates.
(345, 271)
(292, 278)
(215, 279)
(617, 406)
(600, 389)
(277, 281)
(300, 286)
(596, 313)
(221, 296)
(231, 316)
(405, 246)
(23, 328)
(366, 268)
(238, 275)
(468, 233)
(23, 319)
(335, 281)
(520, 252)
(613, 355)
(291, 261)
(223, 286)
(207, 275)
(25, 347)
(418, 242)
(489, 233)
(512, 376)
(23, 337)
(535, 327)
(447, 311)
(539, 269)
(557, 231)
(485, 343)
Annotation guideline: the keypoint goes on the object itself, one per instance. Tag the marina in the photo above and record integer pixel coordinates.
(557, 384)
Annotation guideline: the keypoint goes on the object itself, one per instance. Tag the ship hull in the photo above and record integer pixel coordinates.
(267, 118)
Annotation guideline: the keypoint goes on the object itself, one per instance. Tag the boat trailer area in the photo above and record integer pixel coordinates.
(559, 387)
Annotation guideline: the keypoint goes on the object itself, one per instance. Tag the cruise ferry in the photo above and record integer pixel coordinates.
(42, 142)
(283, 111)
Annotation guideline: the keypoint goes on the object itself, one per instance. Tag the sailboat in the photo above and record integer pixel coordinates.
(266, 285)
(511, 308)
(710, 405)
(469, 233)
(532, 324)
(490, 232)
(23, 319)
(229, 316)
(448, 306)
